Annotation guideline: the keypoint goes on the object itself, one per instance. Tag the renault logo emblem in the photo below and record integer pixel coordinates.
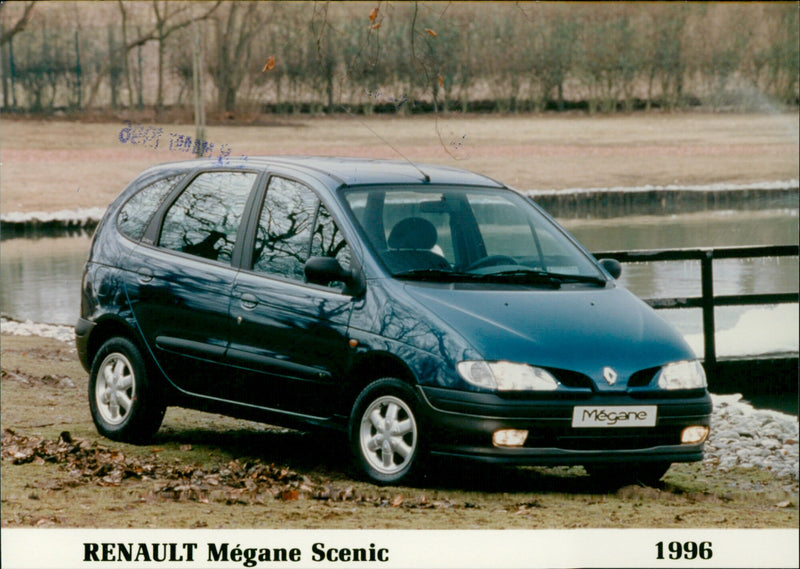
(609, 375)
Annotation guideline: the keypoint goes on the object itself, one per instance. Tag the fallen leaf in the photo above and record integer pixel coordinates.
(289, 495)
(398, 501)
(269, 65)
(784, 504)
(431, 32)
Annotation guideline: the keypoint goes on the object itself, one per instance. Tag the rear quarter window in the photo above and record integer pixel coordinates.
(137, 211)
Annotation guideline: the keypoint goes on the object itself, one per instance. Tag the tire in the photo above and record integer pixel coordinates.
(646, 473)
(385, 431)
(125, 405)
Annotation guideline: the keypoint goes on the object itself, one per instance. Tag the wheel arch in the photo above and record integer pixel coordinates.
(111, 327)
(376, 365)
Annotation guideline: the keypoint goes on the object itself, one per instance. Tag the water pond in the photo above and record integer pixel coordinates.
(40, 277)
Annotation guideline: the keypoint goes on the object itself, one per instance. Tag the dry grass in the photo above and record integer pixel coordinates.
(48, 166)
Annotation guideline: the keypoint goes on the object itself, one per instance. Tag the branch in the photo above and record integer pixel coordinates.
(19, 26)
(152, 35)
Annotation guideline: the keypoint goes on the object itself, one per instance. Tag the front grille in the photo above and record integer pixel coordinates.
(572, 378)
(643, 377)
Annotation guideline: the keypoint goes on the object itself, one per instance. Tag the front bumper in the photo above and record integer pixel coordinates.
(462, 424)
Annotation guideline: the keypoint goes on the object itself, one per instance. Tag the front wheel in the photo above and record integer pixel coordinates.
(385, 432)
(125, 405)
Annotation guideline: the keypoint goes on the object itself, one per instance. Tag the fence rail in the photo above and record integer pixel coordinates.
(707, 301)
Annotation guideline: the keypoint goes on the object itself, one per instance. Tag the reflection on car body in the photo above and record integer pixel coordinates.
(424, 314)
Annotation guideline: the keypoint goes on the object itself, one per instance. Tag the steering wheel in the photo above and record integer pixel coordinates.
(490, 261)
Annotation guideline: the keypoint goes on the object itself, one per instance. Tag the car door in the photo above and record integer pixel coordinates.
(289, 338)
(180, 278)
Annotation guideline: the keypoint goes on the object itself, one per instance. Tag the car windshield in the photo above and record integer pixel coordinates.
(455, 233)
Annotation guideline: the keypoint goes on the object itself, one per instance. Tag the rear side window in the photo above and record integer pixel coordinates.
(205, 219)
(137, 211)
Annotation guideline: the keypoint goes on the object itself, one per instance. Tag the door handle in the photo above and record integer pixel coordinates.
(249, 301)
(145, 275)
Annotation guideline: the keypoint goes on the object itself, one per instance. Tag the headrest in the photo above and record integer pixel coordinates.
(413, 233)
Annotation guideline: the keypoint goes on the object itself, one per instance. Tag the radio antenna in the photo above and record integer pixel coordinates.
(389, 144)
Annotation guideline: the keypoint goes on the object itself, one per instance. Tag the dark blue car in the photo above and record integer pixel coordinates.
(424, 310)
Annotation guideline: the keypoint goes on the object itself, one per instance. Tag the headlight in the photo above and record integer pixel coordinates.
(507, 376)
(682, 375)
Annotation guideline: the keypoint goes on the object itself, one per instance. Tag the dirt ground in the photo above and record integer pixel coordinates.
(209, 471)
(55, 165)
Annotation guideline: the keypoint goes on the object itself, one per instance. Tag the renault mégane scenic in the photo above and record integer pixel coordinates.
(422, 309)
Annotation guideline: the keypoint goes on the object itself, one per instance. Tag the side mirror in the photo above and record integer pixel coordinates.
(324, 270)
(612, 267)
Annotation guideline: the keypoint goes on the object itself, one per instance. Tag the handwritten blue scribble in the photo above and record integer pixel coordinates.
(150, 136)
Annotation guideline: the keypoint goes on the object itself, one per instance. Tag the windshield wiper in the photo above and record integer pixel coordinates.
(519, 276)
(544, 276)
(579, 279)
(526, 276)
(441, 275)
(429, 275)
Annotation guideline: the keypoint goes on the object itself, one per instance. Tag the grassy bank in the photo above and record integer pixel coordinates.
(55, 165)
(210, 471)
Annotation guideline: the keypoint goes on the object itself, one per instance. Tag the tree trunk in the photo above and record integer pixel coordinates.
(5, 75)
(78, 71)
(329, 90)
(112, 79)
(12, 69)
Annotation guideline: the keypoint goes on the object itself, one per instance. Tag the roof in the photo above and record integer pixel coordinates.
(338, 171)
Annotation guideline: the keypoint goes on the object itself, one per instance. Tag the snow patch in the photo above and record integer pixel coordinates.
(78, 216)
(758, 332)
(716, 187)
(29, 328)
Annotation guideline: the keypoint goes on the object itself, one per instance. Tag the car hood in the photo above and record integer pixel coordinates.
(579, 328)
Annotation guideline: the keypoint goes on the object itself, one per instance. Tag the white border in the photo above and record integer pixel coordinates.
(463, 549)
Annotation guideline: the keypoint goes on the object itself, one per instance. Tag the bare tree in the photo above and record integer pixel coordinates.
(167, 23)
(19, 25)
(234, 34)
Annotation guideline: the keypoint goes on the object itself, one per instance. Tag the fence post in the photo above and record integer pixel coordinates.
(707, 283)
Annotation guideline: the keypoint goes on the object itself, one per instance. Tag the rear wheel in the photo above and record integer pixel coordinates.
(385, 432)
(124, 403)
(646, 473)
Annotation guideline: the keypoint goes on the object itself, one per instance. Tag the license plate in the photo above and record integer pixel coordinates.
(614, 416)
